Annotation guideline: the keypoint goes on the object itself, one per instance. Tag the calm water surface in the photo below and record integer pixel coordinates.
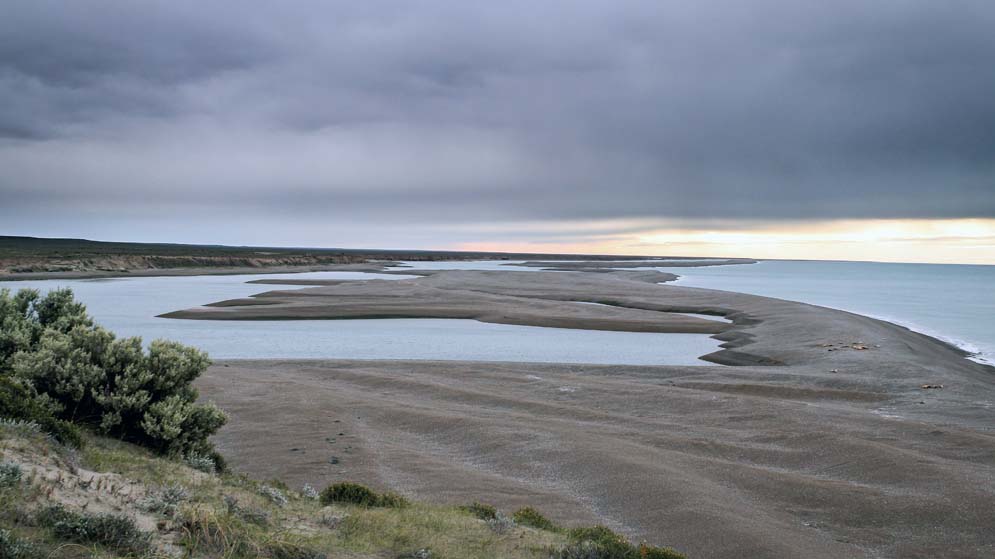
(129, 306)
(955, 303)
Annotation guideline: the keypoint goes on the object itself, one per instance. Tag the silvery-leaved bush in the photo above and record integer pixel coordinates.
(273, 494)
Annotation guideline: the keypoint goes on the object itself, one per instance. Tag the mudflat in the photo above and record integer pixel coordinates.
(825, 433)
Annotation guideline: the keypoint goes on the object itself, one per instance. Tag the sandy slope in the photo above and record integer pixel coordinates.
(836, 451)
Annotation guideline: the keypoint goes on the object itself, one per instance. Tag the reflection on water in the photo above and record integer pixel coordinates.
(129, 306)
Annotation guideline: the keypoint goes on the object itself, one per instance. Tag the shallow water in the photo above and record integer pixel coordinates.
(128, 306)
(954, 303)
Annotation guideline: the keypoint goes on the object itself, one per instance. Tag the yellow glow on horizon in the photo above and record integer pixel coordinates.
(964, 241)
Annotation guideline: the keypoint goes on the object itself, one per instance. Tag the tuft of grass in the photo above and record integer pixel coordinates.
(20, 427)
(528, 516)
(449, 532)
(480, 510)
(109, 530)
(10, 474)
(599, 542)
(500, 524)
(356, 494)
(206, 532)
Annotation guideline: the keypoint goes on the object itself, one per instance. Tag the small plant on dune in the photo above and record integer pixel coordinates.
(528, 516)
(289, 550)
(356, 494)
(200, 463)
(166, 500)
(309, 492)
(110, 530)
(423, 553)
(480, 510)
(259, 517)
(599, 542)
(500, 524)
(205, 533)
(12, 547)
(20, 426)
(274, 495)
(10, 474)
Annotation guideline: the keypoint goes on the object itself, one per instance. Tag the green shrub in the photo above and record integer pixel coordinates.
(110, 530)
(165, 501)
(76, 371)
(201, 463)
(220, 464)
(599, 542)
(392, 500)
(528, 516)
(481, 511)
(19, 401)
(653, 552)
(273, 495)
(288, 550)
(356, 494)
(11, 547)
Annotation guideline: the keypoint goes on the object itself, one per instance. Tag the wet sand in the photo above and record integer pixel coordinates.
(821, 442)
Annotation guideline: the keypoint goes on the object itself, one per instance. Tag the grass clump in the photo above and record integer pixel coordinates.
(528, 516)
(206, 532)
(500, 524)
(356, 494)
(599, 542)
(480, 510)
(109, 530)
(10, 474)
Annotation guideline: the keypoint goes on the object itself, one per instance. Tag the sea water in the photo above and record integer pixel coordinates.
(951, 302)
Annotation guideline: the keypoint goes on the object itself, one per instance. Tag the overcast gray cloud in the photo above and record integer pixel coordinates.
(417, 112)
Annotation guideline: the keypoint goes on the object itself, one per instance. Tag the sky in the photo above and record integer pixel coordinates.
(771, 129)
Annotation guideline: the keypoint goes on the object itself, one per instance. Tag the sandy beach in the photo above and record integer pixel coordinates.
(819, 441)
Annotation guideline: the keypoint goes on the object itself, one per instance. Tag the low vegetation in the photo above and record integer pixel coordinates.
(481, 511)
(112, 531)
(356, 494)
(528, 516)
(60, 370)
(104, 453)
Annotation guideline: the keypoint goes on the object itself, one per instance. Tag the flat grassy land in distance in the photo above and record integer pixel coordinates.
(32, 255)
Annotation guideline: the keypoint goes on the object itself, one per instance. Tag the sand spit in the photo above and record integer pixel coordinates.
(601, 266)
(834, 449)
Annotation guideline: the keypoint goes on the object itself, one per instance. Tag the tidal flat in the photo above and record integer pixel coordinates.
(817, 437)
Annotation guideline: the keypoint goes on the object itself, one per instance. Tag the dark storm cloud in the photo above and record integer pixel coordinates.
(500, 111)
